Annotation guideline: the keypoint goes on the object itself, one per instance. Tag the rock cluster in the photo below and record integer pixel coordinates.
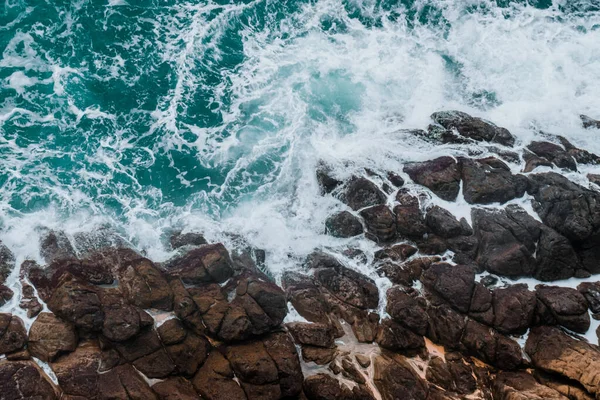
(209, 324)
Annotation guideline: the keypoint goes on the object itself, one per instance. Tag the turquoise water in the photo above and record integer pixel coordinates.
(153, 114)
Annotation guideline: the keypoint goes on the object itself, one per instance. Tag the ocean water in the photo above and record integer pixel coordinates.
(154, 115)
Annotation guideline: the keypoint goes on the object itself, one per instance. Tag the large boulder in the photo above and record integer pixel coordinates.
(319, 335)
(408, 309)
(441, 176)
(567, 306)
(380, 222)
(552, 350)
(144, 286)
(215, 380)
(489, 180)
(50, 336)
(79, 304)
(591, 292)
(207, 263)
(473, 128)
(522, 386)
(24, 380)
(7, 262)
(396, 337)
(396, 379)
(514, 308)
(360, 193)
(345, 284)
(571, 210)
(553, 153)
(410, 221)
(13, 335)
(512, 243)
(453, 283)
(343, 224)
(175, 388)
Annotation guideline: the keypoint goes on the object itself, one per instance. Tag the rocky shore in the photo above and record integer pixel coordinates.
(448, 322)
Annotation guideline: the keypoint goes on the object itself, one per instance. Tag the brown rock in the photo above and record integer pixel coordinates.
(489, 180)
(567, 305)
(591, 292)
(23, 380)
(407, 309)
(13, 335)
(50, 336)
(179, 239)
(522, 386)
(325, 387)
(552, 350)
(207, 263)
(454, 283)
(395, 379)
(175, 388)
(121, 320)
(144, 286)
(410, 222)
(319, 335)
(344, 225)
(514, 308)
(123, 382)
(79, 304)
(395, 337)
(441, 175)
(77, 372)
(214, 381)
(361, 192)
(318, 355)
(281, 348)
(380, 222)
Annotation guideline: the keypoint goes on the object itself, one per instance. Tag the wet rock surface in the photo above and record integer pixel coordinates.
(424, 305)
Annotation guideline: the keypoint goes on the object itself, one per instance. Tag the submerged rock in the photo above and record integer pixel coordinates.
(344, 225)
(589, 123)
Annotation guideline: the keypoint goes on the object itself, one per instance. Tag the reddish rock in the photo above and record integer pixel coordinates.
(325, 387)
(453, 283)
(410, 221)
(395, 379)
(23, 380)
(396, 337)
(552, 350)
(175, 388)
(567, 306)
(214, 381)
(407, 309)
(207, 263)
(123, 382)
(50, 336)
(79, 304)
(489, 180)
(514, 308)
(360, 192)
(144, 286)
(380, 222)
(77, 372)
(591, 292)
(311, 334)
(13, 336)
(441, 175)
(179, 239)
(522, 386)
